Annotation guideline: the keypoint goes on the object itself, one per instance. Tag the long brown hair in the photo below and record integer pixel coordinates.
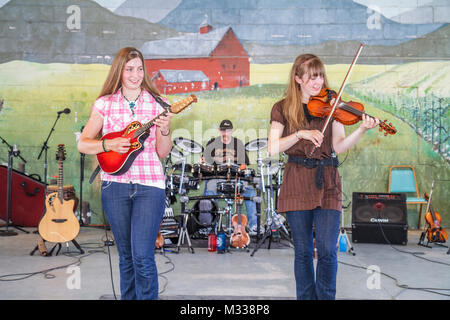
(114, 79)
(292, 106)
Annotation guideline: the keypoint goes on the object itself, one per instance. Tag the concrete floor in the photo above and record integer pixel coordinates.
(205, 275)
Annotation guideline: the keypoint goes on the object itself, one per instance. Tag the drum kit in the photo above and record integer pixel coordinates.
(207, 216)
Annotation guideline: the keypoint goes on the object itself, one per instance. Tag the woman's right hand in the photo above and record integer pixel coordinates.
(119, 145)
(315, 136)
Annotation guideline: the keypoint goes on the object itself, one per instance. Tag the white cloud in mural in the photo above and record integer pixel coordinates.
(411, 12)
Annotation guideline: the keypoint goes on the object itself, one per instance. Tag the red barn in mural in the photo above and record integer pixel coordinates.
(209, 60)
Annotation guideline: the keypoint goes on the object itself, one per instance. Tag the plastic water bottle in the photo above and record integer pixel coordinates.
(221, 242)
(212, 242)
(342, 243)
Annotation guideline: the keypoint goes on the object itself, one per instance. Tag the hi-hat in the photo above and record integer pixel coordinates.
(188, 145)
(256, 144)
(176, 154)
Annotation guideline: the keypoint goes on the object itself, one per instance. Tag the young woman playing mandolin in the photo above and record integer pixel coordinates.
(311, 193)
(134, 201)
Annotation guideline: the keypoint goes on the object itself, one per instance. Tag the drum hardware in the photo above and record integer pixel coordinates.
(187, 145)
(274, 221)
(183, 230)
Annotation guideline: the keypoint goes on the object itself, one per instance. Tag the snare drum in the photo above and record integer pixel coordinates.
(203, 169)
(229, 187)
(189, 183)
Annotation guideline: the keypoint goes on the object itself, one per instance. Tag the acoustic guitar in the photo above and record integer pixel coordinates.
(115, 163)
(59, 223)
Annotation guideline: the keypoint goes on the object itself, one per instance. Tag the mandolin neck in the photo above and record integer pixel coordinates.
(148, 125)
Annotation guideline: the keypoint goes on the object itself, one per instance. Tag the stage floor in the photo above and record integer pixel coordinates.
(203, 275)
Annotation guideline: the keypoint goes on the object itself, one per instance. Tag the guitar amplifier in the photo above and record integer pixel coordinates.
(379, 218)
(27, 198)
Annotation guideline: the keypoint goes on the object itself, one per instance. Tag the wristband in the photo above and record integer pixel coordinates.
(296, 135)
(103, 145)
(165, 135)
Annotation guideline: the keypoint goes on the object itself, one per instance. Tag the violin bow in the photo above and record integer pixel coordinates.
(341, 89)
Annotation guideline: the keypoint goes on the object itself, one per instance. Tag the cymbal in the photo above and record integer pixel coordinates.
(188, 145)
(256, 144)
(175, 153)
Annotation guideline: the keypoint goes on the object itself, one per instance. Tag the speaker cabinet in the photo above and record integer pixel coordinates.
(379, 218)
(28, 195)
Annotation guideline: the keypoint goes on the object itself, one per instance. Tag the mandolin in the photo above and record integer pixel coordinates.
(115, 163)
(435, 233)
(59, 223)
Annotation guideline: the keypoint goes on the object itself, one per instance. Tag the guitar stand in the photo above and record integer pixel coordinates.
(75, 243)
(421, 243)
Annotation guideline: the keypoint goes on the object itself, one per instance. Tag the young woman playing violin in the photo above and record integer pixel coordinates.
(311, 191)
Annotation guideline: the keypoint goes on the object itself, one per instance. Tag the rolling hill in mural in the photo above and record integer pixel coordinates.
(287, 22)
(52, 35)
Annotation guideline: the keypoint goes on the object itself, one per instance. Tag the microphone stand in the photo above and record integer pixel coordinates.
(80, 205)
(45, 150)
(13, 152)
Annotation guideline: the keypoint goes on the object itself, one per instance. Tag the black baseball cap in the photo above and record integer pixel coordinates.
(226, 125)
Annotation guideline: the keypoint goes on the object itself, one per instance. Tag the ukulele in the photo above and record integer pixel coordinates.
(115, 163)
(435, 233)
(239, 238)
(59, 223)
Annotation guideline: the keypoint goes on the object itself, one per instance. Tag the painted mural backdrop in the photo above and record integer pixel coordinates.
(235, 55)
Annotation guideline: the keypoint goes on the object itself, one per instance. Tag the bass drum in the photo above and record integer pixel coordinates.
(203, 218)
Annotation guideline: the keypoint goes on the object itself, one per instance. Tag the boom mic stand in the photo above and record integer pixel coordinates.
(13, 152)
(45, 150)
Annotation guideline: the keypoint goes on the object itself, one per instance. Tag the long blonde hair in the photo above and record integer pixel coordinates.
(114, 79)
(292, 107)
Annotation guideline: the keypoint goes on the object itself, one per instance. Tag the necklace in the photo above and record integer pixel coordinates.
(132, 104)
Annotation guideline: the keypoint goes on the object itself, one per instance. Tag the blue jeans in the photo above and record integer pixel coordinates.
(321, 286)
(135, 213)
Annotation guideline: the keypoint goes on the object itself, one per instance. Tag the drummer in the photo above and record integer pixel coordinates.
(226, 149)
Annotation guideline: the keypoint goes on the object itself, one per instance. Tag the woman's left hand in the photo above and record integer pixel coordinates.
(163, 123)
(369, 122)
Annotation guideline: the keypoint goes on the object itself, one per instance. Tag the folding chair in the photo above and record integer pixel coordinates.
(402, 179)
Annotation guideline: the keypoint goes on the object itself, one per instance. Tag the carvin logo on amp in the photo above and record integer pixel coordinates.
(384, 220)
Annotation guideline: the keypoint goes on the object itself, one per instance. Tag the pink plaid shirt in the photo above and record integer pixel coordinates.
(146, 168)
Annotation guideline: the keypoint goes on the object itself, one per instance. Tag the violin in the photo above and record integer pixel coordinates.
(239, 238)
(435, 233)
(347, 113)
(322, 107)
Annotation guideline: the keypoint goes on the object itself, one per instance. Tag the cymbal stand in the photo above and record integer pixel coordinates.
(274, 221)
(183, 229)
(183, 166)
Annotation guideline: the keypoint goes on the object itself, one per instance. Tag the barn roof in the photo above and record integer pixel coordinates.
(192, 45)
(174, 76)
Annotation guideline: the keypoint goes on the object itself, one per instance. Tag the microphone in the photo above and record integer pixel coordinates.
(66, 110)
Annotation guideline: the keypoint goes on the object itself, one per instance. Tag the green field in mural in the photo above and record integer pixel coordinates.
(32, 93)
